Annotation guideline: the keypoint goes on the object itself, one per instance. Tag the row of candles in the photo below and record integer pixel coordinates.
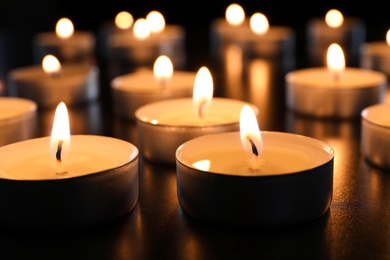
(216, 143)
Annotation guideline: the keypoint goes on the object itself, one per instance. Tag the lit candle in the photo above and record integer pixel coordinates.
(254, 34)
(376, 55)
(53, 82)
(18, 120)
(150, 38)
(254, 179)
(348, 32)
(181, 119)
(133, 90)
(334, 91)
(67, 44)
(375, 135)
(61, 182)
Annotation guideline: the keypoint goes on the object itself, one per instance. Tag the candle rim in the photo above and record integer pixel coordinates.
(364, 115)
(31, 108)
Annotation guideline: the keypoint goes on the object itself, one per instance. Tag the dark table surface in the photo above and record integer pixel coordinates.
(356, 226)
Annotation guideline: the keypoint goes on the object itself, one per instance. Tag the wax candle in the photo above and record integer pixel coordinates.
(66, 182)
(69, 45)
(133, 90)
(181, 119)
(252, 179)
(334, 91)
(375, 135)
(18, 120)
(149, 39)
(376, 55)
(348, 32)
(53, 82)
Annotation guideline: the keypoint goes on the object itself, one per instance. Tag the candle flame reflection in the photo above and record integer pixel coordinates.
(250, 136)
(163, 70)
(156, 21)
(235, 14)
(334, 18)
(64, 28)
(141, 29)
(203, 165)
(51, 64)
(203, 91)
(60, 134)
(335, 60)
(124, 20)
(259, 23)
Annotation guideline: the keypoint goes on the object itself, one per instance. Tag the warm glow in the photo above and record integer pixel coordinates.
(64, 28)
(203, 165)
(163, 69)
(203, 91)
(156, 21)
(259, 23)
(335, 60)
(51, 65)
(388, 37)
(124, 20)
(141, 29)
(249, 130)
(334, 18)
(235, 14)
(60, 132)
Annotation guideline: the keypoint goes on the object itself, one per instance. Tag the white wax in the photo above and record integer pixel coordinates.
(321, 78)
(144, 81)
(31, 160)
(284, 153)
(378, 114)
(12, 108)
(179, 112)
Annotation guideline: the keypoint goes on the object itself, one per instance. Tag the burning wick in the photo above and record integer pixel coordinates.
(254, 148)
(200, 109)
(255, 161)
(60, 168)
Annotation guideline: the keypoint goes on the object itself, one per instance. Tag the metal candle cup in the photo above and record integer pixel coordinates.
(375, 56)
(314, 92)
(164, 125)
(293, 186)
(375, 135)
(100, 185)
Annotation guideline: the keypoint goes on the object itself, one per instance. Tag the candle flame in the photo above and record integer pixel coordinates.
(250, 136)
(51, 65)
(141, 29)
(64, 28)
(60, 134)
(259, 23)
(334, 18)
(156, 21)
(163, 69)
(388, 37)
(124, 20)
(335, 60)
(235, 14)
(203, 91)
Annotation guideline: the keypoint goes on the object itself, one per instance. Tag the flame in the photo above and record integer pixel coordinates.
(51, 65)
(335, 60)
(334, 18)
(124, 20)
(60, 133)
(388, 37)
(259, 23)
(249, 128)
(64, 28)
(203, 91)
(156, 21)
(141, 29)
(163, 69)
(235, 14)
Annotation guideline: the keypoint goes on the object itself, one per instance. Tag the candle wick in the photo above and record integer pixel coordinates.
(200, 108)
(163, 82)
(254, 148)
(59, 149)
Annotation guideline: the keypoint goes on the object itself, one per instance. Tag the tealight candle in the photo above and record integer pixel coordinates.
(375, 135)
(149, 39)
(133, 90)
(69, 45)
(66, 182)
(52, 82)
(254, 34)
(253, 179)
(376, 55)
(181, 119)
(348, 32)
(334, 91)
(18, 120)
